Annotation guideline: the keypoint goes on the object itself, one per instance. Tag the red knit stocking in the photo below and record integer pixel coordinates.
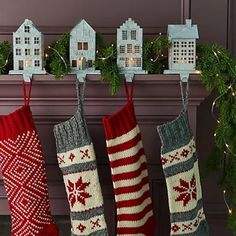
(23, 169)
(129, 172)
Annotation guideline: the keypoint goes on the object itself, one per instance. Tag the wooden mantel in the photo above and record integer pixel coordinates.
(157, 100)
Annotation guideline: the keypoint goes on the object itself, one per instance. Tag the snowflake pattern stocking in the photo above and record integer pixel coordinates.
(77, 161)
(23, 170)
(180, 166)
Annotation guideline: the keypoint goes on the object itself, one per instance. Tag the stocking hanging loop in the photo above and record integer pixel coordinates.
(129, 96)
(184, 94)
(80, 94)
(27, 97)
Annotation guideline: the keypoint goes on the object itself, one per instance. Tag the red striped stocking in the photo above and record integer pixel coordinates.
(129, 172)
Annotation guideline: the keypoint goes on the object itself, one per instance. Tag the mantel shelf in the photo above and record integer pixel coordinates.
(164, 88)
(150, 78)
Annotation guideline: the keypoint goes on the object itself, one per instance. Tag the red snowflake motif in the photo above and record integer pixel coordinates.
(184, 153)
(164, 160)
(187, 191)
(72, 157)
(77, 191)
(175, 228)
(81, 228)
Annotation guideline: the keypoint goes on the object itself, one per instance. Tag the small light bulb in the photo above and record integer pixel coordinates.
(214, 134)
(217, 75)
(218, 121)
(160, 33)
(162, 55)
(233, 93)
(151, 59)
(49, 46)
(230, 211)
(224, 191)
(230, 87)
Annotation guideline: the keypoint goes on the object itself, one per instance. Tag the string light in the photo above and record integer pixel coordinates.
(61, 57)
(152, 42)
(227, 150)
(226, 203)
(156, 38)
(107, 57)
(6, 62)
(218, 121)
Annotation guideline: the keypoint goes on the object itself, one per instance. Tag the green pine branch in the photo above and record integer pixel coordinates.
(5, 57)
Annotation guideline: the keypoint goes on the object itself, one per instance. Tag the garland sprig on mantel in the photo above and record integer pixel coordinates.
(57, 56)
(106, 63)
(5, 57)
(219, 73)
(154, 59)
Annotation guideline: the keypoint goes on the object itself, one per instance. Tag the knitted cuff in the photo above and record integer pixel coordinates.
(176, 133)
(120, 122)
(71, 134)
(16, 123)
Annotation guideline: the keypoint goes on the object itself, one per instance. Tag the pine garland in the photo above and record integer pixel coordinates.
(154, 60)
(106, 63)
(57, 60)
(219, 73)
(5, 57)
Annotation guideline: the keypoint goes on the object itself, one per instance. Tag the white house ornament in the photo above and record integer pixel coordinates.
(83, 50)
(130, 49)
(28, 51)
(182, 53)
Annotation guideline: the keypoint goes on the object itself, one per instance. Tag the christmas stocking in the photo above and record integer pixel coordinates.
(180, 165)
(129, 172)
(23, 170)
(77, 161)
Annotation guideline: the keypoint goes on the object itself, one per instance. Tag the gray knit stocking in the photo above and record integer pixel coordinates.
(180, 166)
(77, 162)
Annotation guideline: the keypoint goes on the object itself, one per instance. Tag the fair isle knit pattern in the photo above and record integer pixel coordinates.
(180, 166)
(77, 161)
(129, 173)
(23, 169)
